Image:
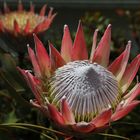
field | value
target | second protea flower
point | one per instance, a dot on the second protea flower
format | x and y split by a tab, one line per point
24	22
82	95
17	27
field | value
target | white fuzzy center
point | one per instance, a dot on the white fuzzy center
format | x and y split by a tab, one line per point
88	87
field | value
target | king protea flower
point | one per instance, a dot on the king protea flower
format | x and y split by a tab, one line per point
18	26
23	22
82	95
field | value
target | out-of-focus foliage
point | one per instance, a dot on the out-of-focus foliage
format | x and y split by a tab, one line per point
133	19
91	22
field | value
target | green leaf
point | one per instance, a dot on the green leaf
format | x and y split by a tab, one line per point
33	128
114	136
38	127
35	131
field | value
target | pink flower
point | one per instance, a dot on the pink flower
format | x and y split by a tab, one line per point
23	22
82	95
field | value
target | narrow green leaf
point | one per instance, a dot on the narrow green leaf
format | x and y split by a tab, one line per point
114	136
35	131
31	126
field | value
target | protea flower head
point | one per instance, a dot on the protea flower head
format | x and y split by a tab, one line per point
82	95
25	22
21	24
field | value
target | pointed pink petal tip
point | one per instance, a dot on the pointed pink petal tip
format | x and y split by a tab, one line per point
80	23
132	94
97	30
65	27
94	43
66	44
118	66
27	26
123	111
55	115
55	57
31	7
42	57
79	49
67	112
6	8
102	51
34	61
16	26
130	73
20	6
50	14
23	72
43	10
103	118
35	103
109	26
